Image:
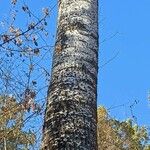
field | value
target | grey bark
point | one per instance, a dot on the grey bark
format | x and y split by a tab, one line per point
70	117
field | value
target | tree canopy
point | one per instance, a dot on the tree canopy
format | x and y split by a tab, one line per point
12	115
120	135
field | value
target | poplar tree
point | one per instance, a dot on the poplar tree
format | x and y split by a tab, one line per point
70	116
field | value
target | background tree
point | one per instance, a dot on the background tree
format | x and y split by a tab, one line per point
120	135
12	137
23	52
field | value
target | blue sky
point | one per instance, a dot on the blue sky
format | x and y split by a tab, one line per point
127	77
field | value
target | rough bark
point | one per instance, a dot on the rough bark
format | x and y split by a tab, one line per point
70	117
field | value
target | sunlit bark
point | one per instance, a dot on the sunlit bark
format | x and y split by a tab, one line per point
70	118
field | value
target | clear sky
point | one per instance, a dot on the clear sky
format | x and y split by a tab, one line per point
124	31
127	77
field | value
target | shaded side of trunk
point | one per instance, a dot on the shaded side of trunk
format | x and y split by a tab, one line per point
70	117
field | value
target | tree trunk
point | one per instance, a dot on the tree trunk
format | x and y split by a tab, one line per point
70	117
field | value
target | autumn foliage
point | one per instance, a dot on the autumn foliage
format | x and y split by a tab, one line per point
120	135
12	120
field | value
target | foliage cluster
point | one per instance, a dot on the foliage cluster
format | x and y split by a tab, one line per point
12	136
120	135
